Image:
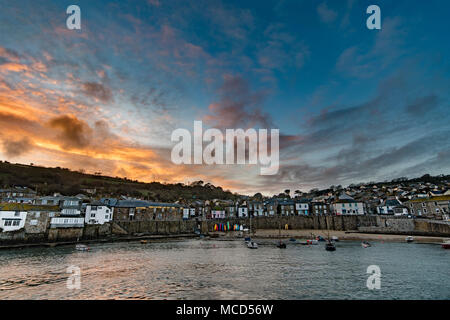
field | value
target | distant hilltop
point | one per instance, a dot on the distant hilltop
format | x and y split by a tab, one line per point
46	181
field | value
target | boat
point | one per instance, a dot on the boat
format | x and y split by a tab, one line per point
409	239
143	241
365	244
320	238
82	247
446	244
247	239
330	246
292	239
252	245
334	238
281	245
312	241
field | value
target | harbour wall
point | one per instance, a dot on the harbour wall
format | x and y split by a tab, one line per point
353	223
118	229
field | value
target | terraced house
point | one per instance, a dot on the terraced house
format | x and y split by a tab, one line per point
141	210
434	207
34	219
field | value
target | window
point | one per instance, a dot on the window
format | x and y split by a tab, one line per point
106	216
92	215
423	204
424	210
17	214
93	208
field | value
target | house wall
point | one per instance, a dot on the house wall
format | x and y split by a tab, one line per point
100	215
12	220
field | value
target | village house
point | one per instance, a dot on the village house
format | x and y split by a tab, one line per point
286	207
141	210
98	213
302	207
256	208
392	206
346	205
437	207
32	218
320	208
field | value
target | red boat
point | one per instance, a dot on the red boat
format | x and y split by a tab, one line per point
446	244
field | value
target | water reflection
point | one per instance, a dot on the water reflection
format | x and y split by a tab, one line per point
214	269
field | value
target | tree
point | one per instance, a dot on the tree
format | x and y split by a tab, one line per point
287	192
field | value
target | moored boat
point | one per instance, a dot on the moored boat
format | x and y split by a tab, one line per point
252	245
330	246
334	238
409	239
281	245
312	241
365	244
446	244
82	247
143	241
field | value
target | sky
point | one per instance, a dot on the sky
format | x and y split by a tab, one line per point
352	104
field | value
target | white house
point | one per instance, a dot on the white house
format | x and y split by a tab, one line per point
346	205
392	206
302	208
11	219
242	212
98	213
218	214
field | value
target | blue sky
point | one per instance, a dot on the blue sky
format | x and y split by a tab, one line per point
352	104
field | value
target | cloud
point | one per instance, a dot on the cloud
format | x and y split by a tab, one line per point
422	105
326	14
97	91
15	148
73	132
238	106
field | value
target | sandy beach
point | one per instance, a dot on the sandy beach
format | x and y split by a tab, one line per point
342	235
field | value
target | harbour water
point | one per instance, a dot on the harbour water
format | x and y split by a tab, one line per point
215	269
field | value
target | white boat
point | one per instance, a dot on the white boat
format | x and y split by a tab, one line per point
446	244
252	245
334	238
312	241
409	239
365	244
82	247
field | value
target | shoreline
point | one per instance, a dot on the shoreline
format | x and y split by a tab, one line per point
106	240
342	235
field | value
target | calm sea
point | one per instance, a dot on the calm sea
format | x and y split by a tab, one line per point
213	269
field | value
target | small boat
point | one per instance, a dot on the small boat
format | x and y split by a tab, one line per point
365	244
247	239
330	246
409	239
312	241
446	244
281	245
252	245
82	247
143	241
320	238
334	238
292	239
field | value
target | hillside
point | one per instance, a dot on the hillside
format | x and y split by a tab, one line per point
67	182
